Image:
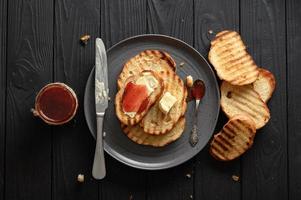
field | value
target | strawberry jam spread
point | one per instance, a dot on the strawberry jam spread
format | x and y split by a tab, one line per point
135	98
56	103
198	89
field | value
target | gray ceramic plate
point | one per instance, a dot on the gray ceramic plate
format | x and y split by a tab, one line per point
144	157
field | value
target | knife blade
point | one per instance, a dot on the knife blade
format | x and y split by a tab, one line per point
101	77
101	104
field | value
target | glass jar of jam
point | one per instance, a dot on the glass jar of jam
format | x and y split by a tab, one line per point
56	104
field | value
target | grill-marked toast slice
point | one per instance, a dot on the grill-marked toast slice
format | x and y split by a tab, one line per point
155	121
136	134
244	100
125	118
155	60
265	84
230	59
234	139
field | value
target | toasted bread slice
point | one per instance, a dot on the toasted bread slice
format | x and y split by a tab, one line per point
230	59
155	60
155	121
244	100
265	84
234	139
122	116
136	134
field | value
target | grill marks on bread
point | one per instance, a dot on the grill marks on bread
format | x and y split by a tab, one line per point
234	139
155	60
137	134
155	121
230	59
244	100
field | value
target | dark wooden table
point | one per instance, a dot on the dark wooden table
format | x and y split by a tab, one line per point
39	43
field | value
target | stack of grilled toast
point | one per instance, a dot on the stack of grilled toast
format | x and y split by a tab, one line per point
245	90
151	99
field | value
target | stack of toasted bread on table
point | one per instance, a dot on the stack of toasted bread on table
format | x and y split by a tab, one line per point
245	90
151	99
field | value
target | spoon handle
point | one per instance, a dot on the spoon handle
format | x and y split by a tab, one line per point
197	103
194	136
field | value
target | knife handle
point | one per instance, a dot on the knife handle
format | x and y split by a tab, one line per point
99	168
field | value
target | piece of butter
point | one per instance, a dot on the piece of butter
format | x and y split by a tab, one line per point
167	102
149	81
130	114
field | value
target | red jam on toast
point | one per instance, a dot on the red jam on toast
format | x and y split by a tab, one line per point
135	98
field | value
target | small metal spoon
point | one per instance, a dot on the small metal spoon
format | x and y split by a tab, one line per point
198	91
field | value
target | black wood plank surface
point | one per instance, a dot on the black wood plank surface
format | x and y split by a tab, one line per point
29	67
294	95
213	179
39	43
265	165
174	18
73	145
121	19
3	28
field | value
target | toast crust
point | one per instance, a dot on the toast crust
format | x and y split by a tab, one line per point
136	134
155	60
265	84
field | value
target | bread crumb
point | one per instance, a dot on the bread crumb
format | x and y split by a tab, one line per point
188	175
84	39
189	81
81	178
235	178
191	196
182	64
210	31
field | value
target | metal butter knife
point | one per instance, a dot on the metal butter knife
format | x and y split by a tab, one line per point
101	104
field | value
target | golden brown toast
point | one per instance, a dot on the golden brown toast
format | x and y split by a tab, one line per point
265	84
122	116
244	100
155	121
136	134
230	59
155	60
234	139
